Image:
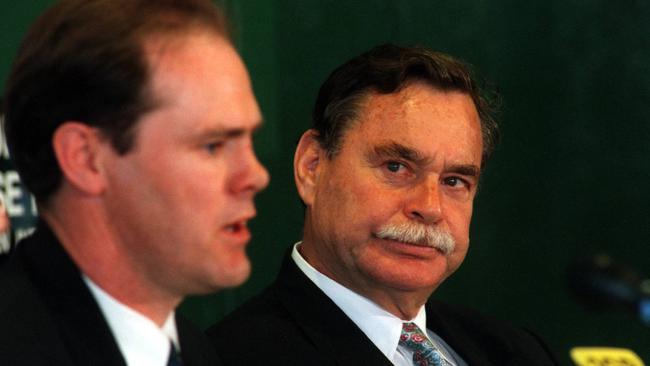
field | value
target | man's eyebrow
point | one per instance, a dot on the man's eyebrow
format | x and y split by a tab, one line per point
229	132
394	149
218	134
465	169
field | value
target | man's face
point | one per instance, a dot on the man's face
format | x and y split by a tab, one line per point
412	157
179	201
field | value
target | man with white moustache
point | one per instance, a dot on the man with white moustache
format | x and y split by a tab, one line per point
388	176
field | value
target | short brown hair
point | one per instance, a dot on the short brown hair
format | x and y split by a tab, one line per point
386	69
83	60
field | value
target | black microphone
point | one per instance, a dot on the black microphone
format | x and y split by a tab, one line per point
601	282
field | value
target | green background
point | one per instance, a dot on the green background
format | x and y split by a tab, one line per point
571	176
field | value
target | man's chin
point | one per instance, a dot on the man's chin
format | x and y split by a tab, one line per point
409	274
222	281
419	284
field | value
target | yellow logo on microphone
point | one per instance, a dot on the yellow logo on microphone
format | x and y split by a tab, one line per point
600	356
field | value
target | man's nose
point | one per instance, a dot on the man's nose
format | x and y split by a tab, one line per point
424	202
253	175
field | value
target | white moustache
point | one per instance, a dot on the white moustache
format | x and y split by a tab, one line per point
419	234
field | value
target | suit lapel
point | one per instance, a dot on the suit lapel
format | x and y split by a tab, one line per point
455	337
195	348
81	325
332	333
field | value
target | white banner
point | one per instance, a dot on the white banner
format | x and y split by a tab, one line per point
17	202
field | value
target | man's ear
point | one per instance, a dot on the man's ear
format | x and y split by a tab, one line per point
307	164
76	146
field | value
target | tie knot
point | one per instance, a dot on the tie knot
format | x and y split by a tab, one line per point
424	352
412	337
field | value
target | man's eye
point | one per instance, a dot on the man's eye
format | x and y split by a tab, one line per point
212	147
455	182
394	166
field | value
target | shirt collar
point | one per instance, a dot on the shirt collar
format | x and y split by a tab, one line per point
381	327
140	340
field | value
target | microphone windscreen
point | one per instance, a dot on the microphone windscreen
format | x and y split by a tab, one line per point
600	281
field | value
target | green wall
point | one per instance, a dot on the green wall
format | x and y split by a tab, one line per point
571	176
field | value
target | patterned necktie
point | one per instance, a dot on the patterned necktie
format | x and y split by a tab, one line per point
424	352
174	357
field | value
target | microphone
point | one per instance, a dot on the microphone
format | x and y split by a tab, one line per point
594	356
601	282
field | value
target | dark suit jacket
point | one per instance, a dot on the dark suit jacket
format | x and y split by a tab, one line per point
294	323
49	317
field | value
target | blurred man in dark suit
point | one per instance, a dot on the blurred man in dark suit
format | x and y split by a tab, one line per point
130	121
388	175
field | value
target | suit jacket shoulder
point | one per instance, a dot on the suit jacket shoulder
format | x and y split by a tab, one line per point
25	323
294	323
47	314
484	340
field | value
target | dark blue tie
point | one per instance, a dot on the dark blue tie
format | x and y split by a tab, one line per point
174	357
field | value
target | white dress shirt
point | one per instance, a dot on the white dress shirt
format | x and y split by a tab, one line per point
140	340
381	327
